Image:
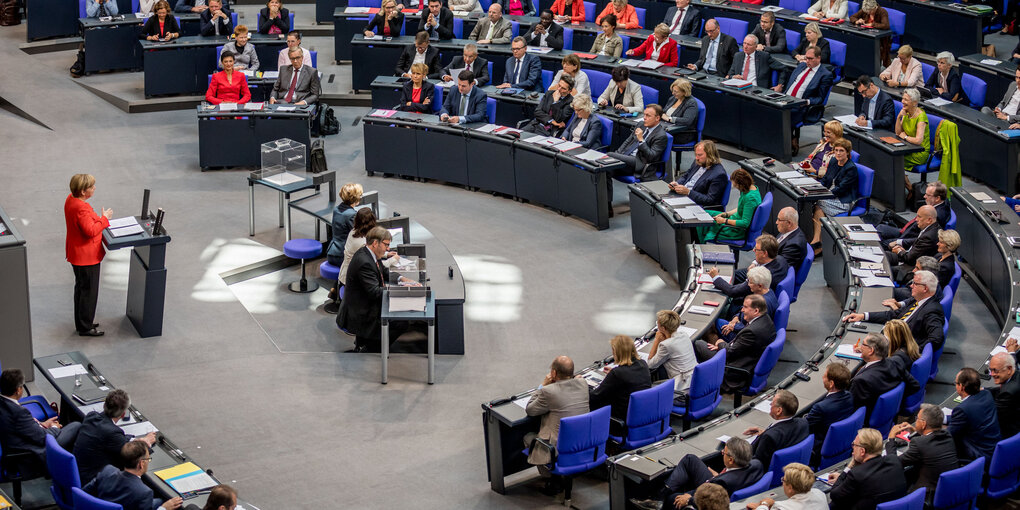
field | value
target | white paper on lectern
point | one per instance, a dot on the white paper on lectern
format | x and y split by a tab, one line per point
764	406
123	222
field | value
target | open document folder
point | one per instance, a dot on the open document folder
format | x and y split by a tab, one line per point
186	478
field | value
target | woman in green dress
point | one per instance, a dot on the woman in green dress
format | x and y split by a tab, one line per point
733	224
912	126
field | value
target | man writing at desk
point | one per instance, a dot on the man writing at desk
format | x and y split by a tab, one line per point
466	103
296	83
873	107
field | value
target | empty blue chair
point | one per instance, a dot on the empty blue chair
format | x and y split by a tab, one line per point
852	7
581	446
793	37
760	378
85	501
795	5
763	484
647	416
787	284
650	95
800	452
258	20
63	469
490	110
912	501
135	6
1004	470
935	356
640	12
734	27
884	413
626	43
484	4
726	193
589	12
437	100
515	28
837	57
598	81
458	27
303	249
607	133
758	221
783	311
681	147
838	442
954	282
856	156
803	271
547	77
958	489
315	58
975	89
920	369
947	302
897	23
233	18
568	38
703	395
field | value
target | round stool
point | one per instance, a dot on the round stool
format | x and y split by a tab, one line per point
332	273
302	249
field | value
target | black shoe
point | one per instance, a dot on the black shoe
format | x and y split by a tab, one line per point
95	325
91	332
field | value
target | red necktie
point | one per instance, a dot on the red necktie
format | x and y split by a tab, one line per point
679	16
293	84
909	223
747	66
800	82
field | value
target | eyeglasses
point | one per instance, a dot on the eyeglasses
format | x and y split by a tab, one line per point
517	48
146	458
856	445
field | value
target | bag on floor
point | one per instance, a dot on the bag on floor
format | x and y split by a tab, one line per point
318	156
78	68
327	121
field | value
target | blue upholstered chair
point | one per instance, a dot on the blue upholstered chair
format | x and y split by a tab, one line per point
795	5
920	369
865	184
763	484
86	501
787	284
782	318
912	501
758	380
975	88
884	413
647	416
1004	470
803	271
958	489
580	447
838	442
800	452
332	273
63	469
733	27
758	221
703	395
607	132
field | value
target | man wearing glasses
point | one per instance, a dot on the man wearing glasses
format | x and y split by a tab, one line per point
523	70
126	487
921	312
297	83
1002	368
877	375
870	478
766	254
934	195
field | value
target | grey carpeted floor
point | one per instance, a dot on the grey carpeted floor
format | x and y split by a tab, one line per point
241	378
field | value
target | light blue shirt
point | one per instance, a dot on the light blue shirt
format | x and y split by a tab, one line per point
713	48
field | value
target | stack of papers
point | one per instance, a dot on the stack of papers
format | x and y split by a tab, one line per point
789	174
701	310
801	181
867	253
283	179
539	49
254	106
68	371
938	101
679	201
566	145
383	113
126	226
488	128
356	10
990	61
631	62
590	155
983	197
650	64
286	108
850	120
735	82
847	351
407	304
186	478
876	281
227	107
863	236
271	75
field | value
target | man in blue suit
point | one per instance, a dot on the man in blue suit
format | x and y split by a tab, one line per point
811	81
466	103
705	181
974	423
523	71
126	487
873	107
836	405
20	432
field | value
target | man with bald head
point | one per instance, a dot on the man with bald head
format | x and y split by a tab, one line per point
717	51
792	241
559	396
1002	368
752	65
903	255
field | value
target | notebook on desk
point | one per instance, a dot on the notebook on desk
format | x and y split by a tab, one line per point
658	188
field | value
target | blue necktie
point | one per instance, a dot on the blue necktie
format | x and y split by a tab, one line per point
517	72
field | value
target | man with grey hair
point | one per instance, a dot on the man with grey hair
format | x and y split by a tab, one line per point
902	255
792	241
759	279
877	375
523	69
946	83
924	263
469	60
1002	368
930	449
752	65
921	311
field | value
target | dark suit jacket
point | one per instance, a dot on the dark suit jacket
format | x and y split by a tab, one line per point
476	104
866	485
822	44
376	24
98	444
684	118
885	114
974	425
867	384
954	86
19	432
480	67
947	268
910	230
778	38
724	55
428	91
816	89
777	267
591	135
553	40
745	349
283	22
927	457
780	435
823	413
445	28
692	20
1007	404
616	388
551	110
763	71
709	189
925	244
735	479
124	489
307	89
648	152
362	304
530	77
842	180
407	57
793	249
151	26
207	27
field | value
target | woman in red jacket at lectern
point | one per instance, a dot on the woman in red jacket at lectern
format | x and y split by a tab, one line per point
85	251
228	85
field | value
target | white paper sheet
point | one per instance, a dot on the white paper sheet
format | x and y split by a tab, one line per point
863	236
539	49
68	371
271	75
200	480
847	351
678	201
407	304
566	145
990	61
849	120
650	64
283	179
138	429
764	406
590	155
789	174
123	222
522	402
938	101
127	231
801	181
866	253
876	281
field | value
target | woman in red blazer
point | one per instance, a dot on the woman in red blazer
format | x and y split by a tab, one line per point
658	46
228	85
84	248
564	14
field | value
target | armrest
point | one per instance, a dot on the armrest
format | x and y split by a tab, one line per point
744	373
619	422
550	447
12	464
30	403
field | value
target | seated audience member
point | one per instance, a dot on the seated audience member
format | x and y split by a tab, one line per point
935	195
771	36
658	47
924	263
464	103
21	433
912	126
583	127
436	21
643	148
625	14
949	242
832	9
297	83
841	180
903	253
221	497
523	70
758	279
631	374
836	405
465	7
974	423
733	224
517	7
798	486
921	312
683	19
293	41
875	16
554	110
100	439
364	222
342	224
419	52
784	432
608	42
126	487
623	93
810	81
560	395
903	349
905	71
469	60
792	241
388	22
930	449
228	85
215	20
766	254
545	33
145	6
872	106
672	352
705	181
275	19
1009	108
245	57
1002	368
186	6
681	112
741	470
161	26
417	94
568	11
494	29
101	8
571	66
877	375
717	50
817	161
813	39
870	478
751	64
710	496
746	348
946	82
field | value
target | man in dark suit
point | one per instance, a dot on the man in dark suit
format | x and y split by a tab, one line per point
683	19
705	181
1002	368
836	405
810	81
126	487
644	147
870	478
464	103
297	83
974	423
771	36
545	33
922	312
437	21
21	433
758	279
420	51
750	64
100	439
766	254
523	70
784	432
215	21
877	375
903	254
717	51
872	106
745	349
935	195
471	62
792	241
930	450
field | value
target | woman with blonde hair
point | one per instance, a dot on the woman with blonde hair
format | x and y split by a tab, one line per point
905	71
818	160
903	350
812	37
630	374
798	486
343	221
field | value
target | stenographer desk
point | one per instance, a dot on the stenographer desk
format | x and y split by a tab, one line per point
886	160
658	229
940	25
183	66
234	137
784	193
505	421
146	276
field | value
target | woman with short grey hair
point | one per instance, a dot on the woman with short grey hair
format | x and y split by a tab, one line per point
946	83
583	127
873	15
